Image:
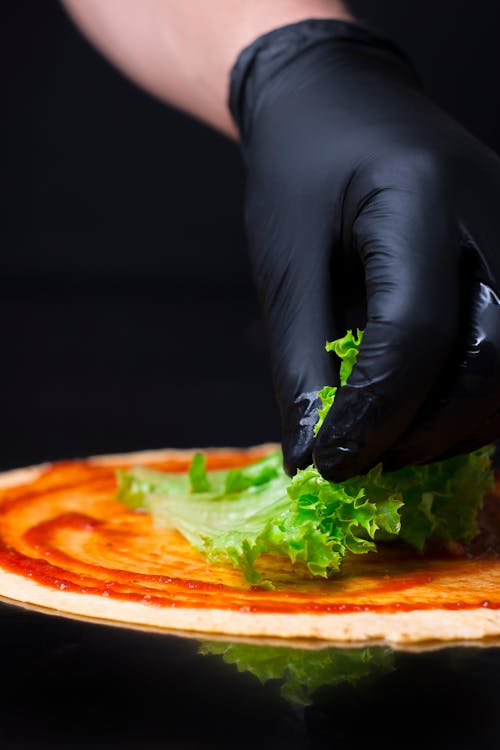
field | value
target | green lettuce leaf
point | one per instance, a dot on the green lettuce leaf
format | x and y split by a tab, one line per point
236	516
442	499
254	475
327	397
346	349
310	520
198	475
302	672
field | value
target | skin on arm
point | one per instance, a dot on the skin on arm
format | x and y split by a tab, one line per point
182	51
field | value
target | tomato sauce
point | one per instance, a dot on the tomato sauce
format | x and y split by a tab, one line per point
65	530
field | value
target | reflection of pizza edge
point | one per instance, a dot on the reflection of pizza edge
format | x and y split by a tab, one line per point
398	627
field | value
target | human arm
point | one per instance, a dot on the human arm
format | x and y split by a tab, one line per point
182	51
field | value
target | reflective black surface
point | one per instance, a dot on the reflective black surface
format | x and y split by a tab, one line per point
72	684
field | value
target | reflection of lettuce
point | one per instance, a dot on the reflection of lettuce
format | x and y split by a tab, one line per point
238	515
302	671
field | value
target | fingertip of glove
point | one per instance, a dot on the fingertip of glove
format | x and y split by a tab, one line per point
338	453
297	454
337	460
298	423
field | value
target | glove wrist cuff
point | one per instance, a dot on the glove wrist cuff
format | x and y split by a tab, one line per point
271	52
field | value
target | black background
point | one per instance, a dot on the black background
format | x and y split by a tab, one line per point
129	321
128	314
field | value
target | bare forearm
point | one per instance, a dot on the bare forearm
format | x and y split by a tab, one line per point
182	50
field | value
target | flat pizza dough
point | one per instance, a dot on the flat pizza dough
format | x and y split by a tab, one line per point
67	545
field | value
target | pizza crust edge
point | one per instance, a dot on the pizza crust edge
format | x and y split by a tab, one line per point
398	627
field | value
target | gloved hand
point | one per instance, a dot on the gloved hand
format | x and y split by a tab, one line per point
368	206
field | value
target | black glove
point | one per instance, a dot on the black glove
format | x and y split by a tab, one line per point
368	206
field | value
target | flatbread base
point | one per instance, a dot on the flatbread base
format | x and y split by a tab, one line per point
404	627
